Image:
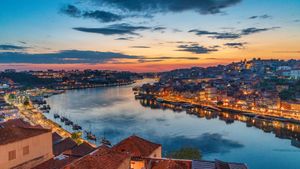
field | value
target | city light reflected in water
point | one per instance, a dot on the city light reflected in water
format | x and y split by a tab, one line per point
114	113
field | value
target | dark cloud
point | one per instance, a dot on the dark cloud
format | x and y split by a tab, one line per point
63	57
139	46
230	35
12	47
163	6
203	32
77	56
296	20
22	42
195	48
226	36
102	16
253	30
238	45
265	16
116	29
71	10
216	35
124	38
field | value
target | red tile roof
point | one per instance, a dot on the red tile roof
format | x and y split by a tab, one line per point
66	144
136	146
17	129
56	138
102	158
81	150
154	163
56	163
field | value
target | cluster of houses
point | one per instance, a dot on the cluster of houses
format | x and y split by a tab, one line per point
254	85
24	146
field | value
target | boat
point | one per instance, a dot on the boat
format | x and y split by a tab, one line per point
90	136
104	141
56	116
62	119
76	127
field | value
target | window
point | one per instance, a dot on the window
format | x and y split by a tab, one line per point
12	155
25	150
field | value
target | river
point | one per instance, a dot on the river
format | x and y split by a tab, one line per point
114	113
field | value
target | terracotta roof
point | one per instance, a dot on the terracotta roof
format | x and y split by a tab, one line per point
17	129
168	164
56	163
102	158
81	150
136	146
56	138
65	144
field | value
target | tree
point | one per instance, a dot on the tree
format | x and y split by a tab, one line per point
76	136
186	153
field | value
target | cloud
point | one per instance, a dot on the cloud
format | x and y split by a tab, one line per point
12	47
195	48
265	16
116	29
124	38
63	57
230	35
71	10
163	6
238	45
78	56
216	35
102	16
296	20
253	30
139	46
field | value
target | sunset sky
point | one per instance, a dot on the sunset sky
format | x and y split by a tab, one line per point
145	35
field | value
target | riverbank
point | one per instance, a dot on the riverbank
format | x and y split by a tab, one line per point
35	117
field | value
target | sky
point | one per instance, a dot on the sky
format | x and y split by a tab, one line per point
145	35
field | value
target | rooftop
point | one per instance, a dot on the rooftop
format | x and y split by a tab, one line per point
17	129
136	146
102	158
65	144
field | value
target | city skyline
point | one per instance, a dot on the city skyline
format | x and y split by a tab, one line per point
145	35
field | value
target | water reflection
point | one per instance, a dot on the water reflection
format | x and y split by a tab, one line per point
114	113
283	130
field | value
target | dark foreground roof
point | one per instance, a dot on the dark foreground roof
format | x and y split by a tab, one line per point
102	158
63	145
17	129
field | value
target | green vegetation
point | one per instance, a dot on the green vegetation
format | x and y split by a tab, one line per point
76	136
11	97
186	153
